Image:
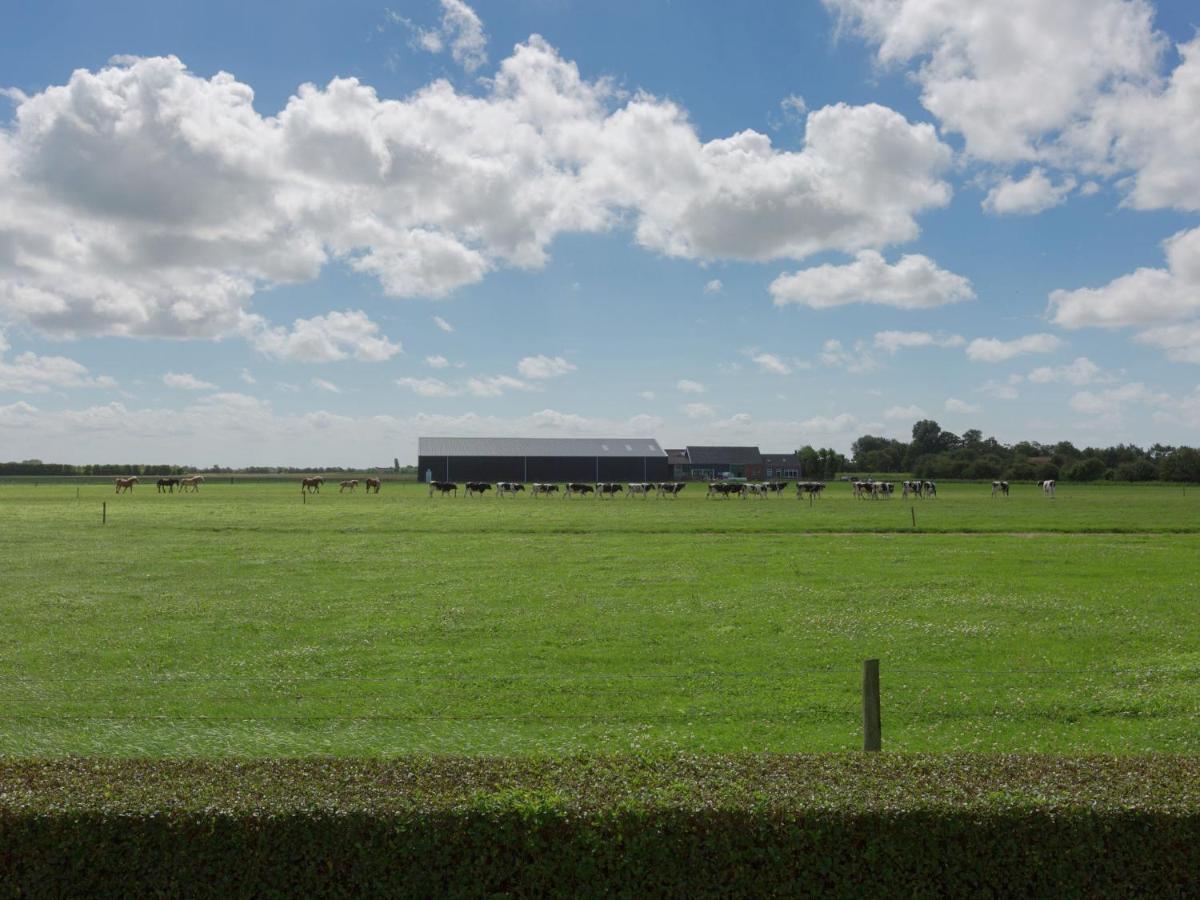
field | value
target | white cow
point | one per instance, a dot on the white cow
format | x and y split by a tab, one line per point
1048	487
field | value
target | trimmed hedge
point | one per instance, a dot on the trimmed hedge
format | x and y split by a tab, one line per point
847	825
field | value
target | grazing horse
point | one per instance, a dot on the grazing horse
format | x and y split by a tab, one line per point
191	483
443	488
167	485
125	484
373	484
312	485
351	483
999	487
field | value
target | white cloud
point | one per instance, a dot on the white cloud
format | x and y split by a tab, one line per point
1003	390
1111	402
461	30
903	413
1182	342
699	411
144	200
185	381
858	361
769	362
892	341
1032	194
954	405
443	324
495	385
713	287
29	373
326	338
1143	297
914	282
1079	372
729	368
324	385
247	377
647	395
687	386
994	350
1008	76
437	362
542	367
427	387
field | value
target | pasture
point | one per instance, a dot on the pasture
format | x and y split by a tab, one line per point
240	621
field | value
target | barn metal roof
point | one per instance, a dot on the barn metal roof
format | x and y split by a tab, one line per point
505	446
735	456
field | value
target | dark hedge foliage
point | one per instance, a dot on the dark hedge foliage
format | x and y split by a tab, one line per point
844	825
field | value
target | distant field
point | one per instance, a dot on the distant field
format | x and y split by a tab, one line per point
241	621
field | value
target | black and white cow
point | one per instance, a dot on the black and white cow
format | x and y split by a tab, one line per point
810	489
608	489
443	488
578	487
540	488
477	487
640	488
669	488
1000	487
509	487
1047	487
929	488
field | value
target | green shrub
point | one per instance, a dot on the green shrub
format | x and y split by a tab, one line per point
843	825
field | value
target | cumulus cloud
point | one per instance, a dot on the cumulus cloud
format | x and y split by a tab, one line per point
914	282
1079	372
29	373
699	411
1112	401
1143	297
1032	194
327	338
903	413
1182	342
246	377
443	324
857	361
142	199
543	367
1003	390
427	387
1007	76
994	350
713	287
647	395
437	362
324	385
954	405
461	30
769	362
687	386
893	341
185	381
495	385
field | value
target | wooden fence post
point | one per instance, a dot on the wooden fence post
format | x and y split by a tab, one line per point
872	734
104	512
913	510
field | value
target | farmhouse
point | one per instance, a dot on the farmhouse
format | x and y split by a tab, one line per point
705	463
781	466
541	459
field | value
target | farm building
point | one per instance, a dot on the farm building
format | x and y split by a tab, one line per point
704	463
781	466
541	459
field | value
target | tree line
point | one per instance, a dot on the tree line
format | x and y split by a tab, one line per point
37	467
935	453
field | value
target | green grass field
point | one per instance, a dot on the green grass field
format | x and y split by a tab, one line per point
240	621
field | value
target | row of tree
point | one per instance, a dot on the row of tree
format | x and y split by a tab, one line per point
936	453
37	467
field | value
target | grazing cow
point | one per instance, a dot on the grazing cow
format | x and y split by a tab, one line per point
811	489
608	489
862	488
373	484
1048	487
642	488
351	483
999	487
443	488
777	487
508	487
167	485
312	485
757	490
477	487
578	487
669	488
928	488
125	484
540	488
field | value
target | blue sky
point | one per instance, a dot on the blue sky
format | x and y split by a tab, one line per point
308	233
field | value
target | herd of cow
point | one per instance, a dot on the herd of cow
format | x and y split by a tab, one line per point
601	489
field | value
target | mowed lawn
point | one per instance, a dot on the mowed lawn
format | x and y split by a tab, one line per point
240	621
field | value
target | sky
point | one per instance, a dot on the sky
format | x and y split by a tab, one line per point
307	233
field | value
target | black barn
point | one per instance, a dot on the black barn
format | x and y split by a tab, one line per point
541	459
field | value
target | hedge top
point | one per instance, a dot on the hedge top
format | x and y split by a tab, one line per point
784	784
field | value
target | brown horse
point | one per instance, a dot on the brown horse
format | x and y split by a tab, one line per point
352	484
373	485
312	485
191	483
125	484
